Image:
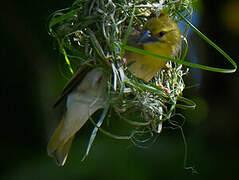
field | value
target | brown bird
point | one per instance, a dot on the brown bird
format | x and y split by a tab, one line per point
86	93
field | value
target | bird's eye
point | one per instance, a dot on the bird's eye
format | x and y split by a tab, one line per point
161	34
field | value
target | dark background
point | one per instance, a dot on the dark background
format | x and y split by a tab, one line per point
31	82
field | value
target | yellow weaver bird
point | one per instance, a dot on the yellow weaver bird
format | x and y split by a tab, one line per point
161	35
86	91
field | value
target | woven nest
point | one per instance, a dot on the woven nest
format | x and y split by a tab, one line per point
92	33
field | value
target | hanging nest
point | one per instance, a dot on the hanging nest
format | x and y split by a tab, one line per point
92	33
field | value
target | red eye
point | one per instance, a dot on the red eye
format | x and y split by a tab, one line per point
161	34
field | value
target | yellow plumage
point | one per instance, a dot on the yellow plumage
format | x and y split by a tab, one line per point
160	36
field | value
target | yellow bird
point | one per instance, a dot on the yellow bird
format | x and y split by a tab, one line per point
86	92
161	35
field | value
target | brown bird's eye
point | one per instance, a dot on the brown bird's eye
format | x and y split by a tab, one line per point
161	34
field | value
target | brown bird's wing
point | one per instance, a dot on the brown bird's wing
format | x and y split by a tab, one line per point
85	99
73	82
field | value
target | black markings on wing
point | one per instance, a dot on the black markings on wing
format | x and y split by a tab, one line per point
73	82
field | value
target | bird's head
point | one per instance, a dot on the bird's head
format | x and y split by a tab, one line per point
160	31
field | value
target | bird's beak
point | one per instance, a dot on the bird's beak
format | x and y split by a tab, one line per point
146	38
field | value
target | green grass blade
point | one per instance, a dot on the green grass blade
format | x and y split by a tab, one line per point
213	45
179	61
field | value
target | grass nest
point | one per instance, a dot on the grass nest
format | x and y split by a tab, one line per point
93	33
